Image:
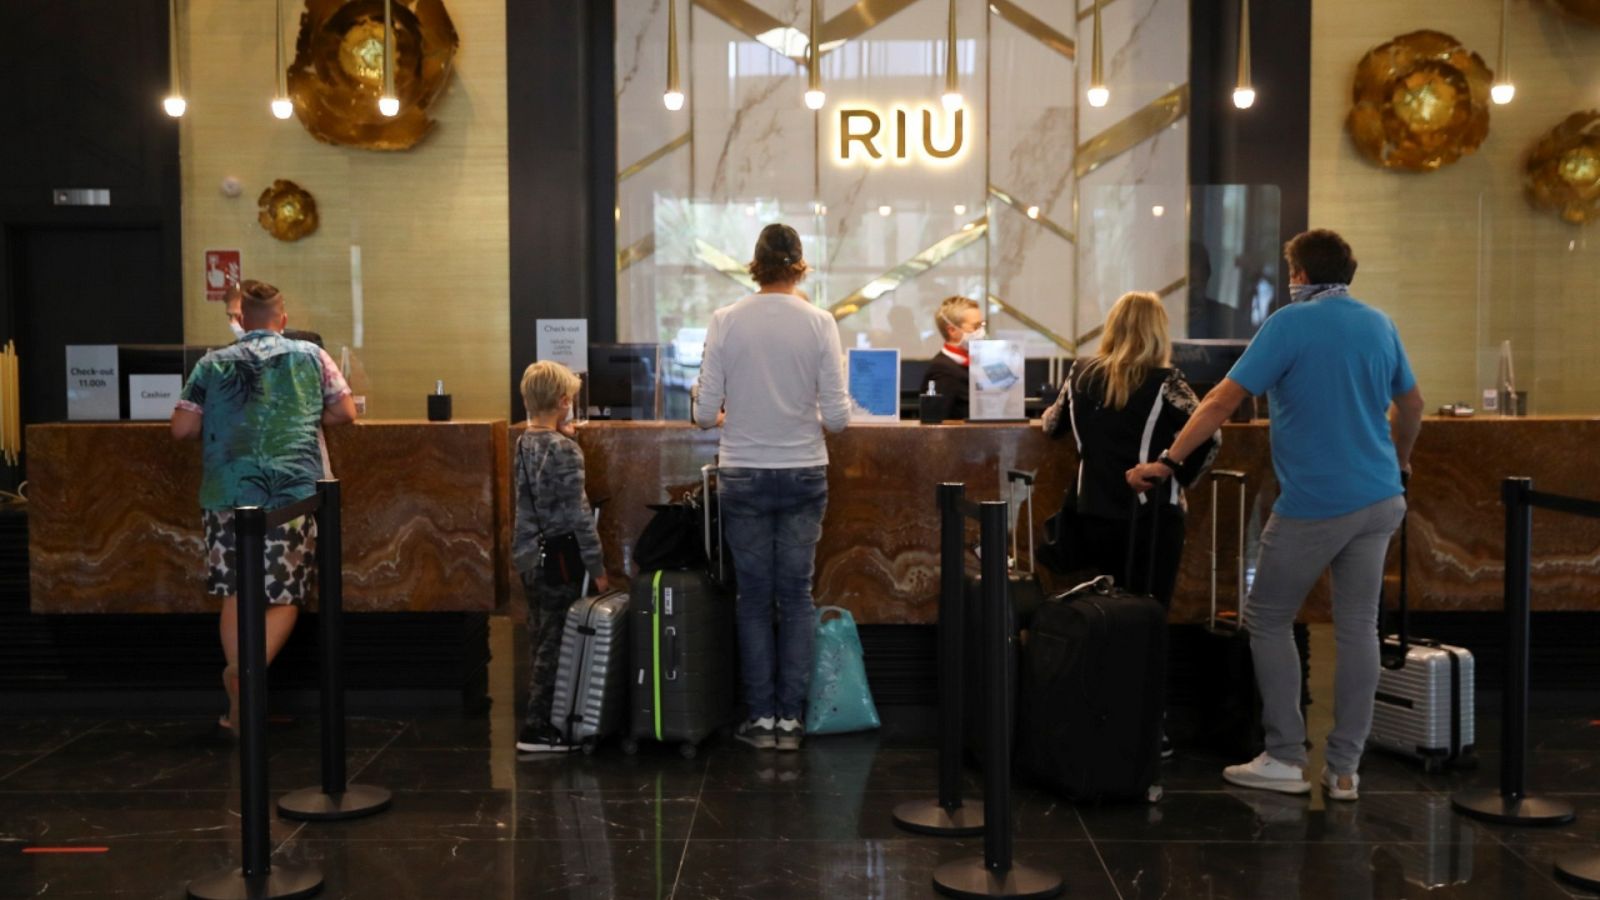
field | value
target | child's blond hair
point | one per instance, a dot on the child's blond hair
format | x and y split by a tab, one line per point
544	384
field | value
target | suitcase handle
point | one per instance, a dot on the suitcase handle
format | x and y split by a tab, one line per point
670	634
1024	511
715	561
1238	477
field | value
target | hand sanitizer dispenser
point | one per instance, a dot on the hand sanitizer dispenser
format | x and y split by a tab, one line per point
932	407
438	404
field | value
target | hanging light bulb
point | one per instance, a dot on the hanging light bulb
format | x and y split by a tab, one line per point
815	96
673	98
388	103
1099	95
1244	92
1503	91
281	107
952	86
174	103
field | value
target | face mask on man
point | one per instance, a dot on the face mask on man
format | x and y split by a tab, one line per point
236	328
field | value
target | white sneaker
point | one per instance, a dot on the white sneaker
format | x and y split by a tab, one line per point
1332	790
1268	774
789	731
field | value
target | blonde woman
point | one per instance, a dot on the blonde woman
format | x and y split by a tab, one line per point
1122	406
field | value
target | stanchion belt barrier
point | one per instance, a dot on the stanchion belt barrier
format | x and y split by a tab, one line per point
996	873
334	798
1511	804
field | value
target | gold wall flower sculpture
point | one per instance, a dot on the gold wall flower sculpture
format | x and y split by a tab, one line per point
1562	172
337	74
288	211
1421	102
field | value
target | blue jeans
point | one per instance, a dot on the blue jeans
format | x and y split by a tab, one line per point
772	520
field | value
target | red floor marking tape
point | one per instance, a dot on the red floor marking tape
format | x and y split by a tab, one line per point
66	849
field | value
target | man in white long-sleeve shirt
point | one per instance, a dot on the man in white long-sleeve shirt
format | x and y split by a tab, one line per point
773	378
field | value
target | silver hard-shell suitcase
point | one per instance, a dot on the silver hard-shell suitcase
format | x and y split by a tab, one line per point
591	690
1426	699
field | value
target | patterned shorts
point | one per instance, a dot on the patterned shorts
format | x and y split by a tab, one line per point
291	557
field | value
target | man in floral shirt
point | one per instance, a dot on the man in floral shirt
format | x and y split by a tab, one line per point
256	406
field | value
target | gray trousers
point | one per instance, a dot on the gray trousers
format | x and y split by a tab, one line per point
1294	552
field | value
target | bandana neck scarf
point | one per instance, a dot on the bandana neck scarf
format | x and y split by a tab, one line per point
1305	293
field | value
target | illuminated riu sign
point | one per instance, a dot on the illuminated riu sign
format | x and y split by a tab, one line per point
864	138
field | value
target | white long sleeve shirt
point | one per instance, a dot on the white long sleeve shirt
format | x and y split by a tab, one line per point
775	362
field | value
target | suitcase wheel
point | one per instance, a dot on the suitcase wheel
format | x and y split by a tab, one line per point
630	746
687	750
588	748
1433	765
1154	794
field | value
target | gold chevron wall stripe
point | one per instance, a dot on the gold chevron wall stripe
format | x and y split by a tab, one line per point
1173	287
1041	218
1040	31
1033	324
637	251
1132	131
761	26
941	250
654	155
1084	13
723	263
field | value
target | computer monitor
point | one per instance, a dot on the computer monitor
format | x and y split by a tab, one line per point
1206	362
624	381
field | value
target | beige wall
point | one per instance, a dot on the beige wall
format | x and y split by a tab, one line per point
431	223
1457	256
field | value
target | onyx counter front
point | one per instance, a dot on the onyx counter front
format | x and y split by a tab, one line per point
878	556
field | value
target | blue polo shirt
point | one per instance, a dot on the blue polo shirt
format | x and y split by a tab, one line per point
1329	368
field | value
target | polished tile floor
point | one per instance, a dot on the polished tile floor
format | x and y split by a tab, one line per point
471	820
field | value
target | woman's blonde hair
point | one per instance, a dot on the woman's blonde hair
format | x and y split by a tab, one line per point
545	383
1134	342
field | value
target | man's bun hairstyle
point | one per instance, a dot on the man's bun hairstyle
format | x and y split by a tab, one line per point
778	256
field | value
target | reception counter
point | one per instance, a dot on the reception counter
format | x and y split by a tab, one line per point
878	555
114	523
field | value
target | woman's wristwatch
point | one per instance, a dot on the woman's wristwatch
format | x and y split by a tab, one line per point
1166	460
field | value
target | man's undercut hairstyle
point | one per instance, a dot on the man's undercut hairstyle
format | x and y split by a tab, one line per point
259	303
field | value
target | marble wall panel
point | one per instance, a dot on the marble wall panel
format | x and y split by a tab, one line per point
904	318
643	121
114	525
1146	44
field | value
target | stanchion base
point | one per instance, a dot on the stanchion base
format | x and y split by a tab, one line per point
281	883
971	878
1490	805
312	805
1580	869
928	817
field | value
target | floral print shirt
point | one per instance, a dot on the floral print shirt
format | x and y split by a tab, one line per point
261	402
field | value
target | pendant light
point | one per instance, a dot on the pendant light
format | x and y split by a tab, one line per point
174	104
673	98
281	107
1244	91
388	103
952	86
814	93
1502	91
1099	95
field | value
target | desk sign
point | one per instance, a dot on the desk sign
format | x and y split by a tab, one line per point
565	341
153	396
93	390
873	377
995	382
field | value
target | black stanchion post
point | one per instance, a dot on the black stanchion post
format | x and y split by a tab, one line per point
257	878
336	799
949	814
1510	804
997	874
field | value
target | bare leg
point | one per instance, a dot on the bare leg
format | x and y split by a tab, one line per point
280	624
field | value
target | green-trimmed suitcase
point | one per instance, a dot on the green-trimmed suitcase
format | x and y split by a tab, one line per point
682	675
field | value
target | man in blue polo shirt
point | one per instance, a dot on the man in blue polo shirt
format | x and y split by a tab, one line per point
1330	367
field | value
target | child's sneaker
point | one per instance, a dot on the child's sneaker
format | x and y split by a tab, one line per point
758	733
542	739
789	731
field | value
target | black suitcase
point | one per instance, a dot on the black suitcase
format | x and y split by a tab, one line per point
1214	676
1093	690
682	635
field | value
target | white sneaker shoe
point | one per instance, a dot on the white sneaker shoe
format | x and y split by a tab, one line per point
1267	774
1332	790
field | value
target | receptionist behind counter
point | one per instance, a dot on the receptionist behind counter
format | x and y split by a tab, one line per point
959	321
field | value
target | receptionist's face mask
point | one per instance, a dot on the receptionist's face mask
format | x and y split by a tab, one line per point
964	337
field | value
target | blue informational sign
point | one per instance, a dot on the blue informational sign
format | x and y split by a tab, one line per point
874	382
